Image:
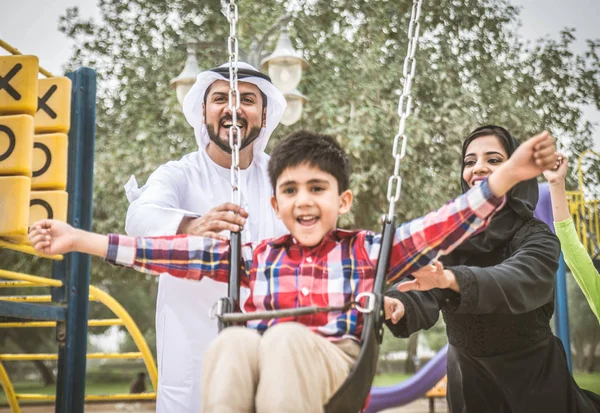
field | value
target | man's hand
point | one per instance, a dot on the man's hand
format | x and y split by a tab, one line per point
430	277
225	217
559	172
394	309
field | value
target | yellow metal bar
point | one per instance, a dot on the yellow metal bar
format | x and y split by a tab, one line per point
27	250
91	397
139	396
95	356
92	323
9	391
13	284
31	278
133	330
13	50
31	298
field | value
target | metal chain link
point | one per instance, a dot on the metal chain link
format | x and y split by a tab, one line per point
235	135
404	108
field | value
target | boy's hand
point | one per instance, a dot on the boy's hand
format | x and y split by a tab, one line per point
533	157
52	237
429	277
528	161
559	172
394	309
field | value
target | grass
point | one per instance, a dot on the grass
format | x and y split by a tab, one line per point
588	381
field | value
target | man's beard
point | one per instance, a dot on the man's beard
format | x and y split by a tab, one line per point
251	136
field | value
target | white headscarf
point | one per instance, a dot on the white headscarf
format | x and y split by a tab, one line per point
192	106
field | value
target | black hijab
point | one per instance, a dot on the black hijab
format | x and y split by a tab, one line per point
520	201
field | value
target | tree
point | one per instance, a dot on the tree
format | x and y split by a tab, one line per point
471	69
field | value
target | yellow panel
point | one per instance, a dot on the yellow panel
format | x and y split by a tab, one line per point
48	204
16	144
49	164
14	204
54	108
43	205
18	85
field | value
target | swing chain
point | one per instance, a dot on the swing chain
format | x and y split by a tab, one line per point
404	108
234	103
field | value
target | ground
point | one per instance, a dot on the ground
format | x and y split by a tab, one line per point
420	406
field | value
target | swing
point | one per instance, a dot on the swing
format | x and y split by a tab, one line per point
353	394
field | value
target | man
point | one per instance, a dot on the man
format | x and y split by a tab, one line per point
193	196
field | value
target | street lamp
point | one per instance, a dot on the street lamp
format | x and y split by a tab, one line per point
293	110
184	82
285	64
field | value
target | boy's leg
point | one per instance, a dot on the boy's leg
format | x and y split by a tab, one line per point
300	370
230	372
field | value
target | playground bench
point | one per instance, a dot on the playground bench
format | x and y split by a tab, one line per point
437	392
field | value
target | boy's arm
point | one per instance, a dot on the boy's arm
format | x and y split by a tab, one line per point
418	242
181	256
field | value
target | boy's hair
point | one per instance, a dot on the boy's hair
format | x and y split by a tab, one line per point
319	151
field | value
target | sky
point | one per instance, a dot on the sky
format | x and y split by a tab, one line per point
32	27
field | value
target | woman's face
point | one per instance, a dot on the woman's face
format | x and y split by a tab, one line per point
483	155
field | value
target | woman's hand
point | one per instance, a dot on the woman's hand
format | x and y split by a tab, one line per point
394	309
430	277
559	172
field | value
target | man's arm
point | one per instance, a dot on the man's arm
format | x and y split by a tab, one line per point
157	210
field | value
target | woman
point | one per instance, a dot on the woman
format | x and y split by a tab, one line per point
497	297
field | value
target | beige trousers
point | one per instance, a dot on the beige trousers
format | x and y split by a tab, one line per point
289	369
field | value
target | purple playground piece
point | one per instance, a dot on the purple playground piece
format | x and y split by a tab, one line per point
410	389
543	209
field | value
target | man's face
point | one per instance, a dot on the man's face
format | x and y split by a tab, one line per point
218	116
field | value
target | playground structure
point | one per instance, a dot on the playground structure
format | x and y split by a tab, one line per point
70	287
22	96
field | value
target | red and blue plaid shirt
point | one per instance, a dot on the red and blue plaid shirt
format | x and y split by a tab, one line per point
283	274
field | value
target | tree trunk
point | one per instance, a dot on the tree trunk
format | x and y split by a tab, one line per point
411	364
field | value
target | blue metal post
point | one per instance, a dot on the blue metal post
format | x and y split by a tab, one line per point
72	335
561	313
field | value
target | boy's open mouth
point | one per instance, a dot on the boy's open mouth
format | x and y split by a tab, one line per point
307	220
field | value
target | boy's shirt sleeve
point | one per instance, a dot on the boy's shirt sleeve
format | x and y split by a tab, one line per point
182	256
418	242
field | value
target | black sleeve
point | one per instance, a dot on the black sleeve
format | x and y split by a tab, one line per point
521	283
421	309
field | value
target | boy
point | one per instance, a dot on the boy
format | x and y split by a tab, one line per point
297	366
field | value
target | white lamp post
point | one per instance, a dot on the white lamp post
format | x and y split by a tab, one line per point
293	110
184	82
285	64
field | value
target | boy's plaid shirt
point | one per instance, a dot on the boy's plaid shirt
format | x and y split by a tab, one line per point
282	274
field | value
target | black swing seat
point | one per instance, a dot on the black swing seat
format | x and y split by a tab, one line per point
353	393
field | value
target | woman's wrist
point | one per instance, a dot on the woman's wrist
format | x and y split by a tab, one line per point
451	281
